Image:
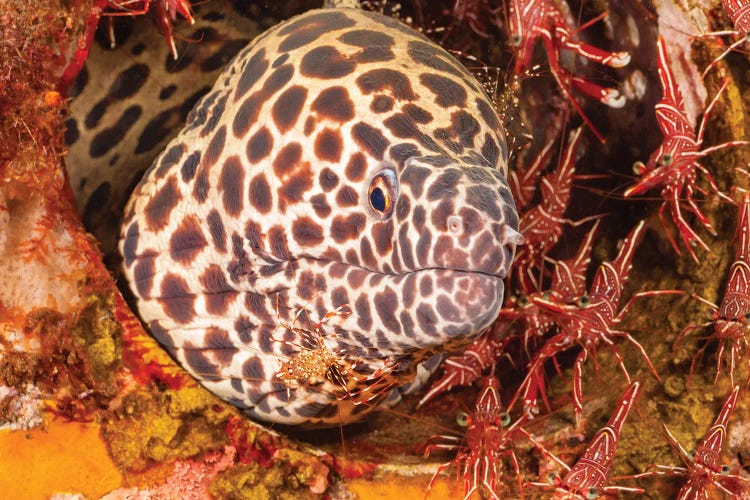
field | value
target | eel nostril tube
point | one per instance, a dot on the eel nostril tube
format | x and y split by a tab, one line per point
510	236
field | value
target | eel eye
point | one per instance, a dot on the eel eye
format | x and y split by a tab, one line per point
666	159
382	193
462	419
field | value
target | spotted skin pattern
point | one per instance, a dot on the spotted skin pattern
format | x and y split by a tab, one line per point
261	208
130	101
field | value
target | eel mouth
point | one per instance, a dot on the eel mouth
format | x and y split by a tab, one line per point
396	322
398	314
401	321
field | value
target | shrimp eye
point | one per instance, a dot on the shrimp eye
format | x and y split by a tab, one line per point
691	454
462	419
523	301
724	470
515	39
382	193
666	159
504	419
592	493
584	301
552	477
747	317
547	294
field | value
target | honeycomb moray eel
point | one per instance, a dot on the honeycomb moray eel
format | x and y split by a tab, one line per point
341	160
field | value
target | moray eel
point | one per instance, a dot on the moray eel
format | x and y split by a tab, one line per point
341	161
